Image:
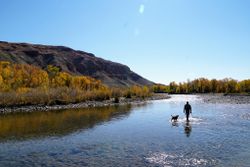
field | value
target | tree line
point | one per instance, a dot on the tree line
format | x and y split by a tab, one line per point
203	85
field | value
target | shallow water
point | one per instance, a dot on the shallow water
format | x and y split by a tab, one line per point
217	135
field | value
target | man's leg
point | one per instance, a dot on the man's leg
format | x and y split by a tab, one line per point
187	116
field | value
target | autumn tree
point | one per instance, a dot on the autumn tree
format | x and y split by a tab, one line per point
203	85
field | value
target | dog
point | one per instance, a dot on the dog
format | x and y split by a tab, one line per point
174	118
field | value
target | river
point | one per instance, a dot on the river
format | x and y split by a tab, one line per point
132	135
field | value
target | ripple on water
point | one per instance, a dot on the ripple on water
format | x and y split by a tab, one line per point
169	160
192	120
183	98
246	116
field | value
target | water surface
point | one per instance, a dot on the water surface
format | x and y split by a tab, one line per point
217	135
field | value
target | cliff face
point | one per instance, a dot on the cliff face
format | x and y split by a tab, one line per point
72	61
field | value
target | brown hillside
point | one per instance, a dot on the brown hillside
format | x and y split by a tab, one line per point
72	61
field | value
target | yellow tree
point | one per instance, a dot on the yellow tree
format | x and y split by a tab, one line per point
61	79
6	73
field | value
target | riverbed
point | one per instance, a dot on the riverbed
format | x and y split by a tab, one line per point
129	135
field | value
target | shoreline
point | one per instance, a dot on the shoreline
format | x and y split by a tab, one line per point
221	98
86	104
225	98
216	98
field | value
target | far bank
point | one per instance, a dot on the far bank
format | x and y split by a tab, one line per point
86	104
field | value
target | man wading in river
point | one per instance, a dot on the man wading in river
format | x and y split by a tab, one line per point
187	110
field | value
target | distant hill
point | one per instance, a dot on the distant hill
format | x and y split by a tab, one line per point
72	61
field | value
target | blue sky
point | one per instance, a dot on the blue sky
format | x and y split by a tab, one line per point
162	40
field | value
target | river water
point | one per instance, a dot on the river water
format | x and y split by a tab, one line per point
138	135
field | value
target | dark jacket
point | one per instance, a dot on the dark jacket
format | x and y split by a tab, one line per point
188	109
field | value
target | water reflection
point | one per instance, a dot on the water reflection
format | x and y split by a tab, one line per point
187	128
41	124
175	124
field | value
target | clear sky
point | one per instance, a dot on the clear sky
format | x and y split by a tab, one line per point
162	40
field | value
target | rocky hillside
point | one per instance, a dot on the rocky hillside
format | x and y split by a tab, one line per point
72	61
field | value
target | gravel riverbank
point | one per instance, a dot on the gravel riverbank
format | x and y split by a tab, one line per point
228	99
122	101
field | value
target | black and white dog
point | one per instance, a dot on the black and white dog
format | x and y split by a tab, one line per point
174	118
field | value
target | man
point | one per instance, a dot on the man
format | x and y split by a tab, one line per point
187	110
